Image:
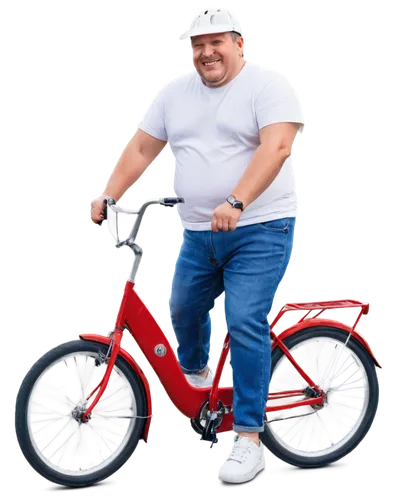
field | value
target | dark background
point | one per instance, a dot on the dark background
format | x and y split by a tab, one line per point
96	78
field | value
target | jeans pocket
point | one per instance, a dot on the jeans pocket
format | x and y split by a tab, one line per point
276	226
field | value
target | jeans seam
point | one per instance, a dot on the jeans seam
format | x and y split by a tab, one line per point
278	272
274	229
263	337
262	373
277	230
200	335
281	262
247	428
212	246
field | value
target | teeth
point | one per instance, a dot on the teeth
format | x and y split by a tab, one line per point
211	63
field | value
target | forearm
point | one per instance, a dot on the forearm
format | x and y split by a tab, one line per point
129	168
260	173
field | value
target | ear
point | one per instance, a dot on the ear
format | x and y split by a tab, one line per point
242	43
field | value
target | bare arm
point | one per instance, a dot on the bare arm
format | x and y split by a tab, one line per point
137	156
276	146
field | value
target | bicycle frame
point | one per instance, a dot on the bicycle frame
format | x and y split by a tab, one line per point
135	317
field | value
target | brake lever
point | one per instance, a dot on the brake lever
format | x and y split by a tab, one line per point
167	205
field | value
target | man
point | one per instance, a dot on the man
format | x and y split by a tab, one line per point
231	126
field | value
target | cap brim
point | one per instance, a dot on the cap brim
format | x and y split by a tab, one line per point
222	28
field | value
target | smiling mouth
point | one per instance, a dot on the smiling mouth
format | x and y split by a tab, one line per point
210	64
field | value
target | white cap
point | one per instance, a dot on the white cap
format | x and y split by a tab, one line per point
213	21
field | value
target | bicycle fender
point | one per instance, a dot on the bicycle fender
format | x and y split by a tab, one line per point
135	367
326	322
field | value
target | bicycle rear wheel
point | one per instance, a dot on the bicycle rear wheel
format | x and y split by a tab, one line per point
51	400
314	436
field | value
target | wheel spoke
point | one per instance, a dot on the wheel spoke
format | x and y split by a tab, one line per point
350	377
343	386
97	432
335	355
113	433
111	395
65	399
50	412
46	420
303	437
110	387
291	431
342	364
84	372
342	428
344	406
60	449
313	433
61	430
80	442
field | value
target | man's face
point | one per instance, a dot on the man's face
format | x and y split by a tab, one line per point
216	47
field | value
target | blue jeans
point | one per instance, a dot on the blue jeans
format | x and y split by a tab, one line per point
248	264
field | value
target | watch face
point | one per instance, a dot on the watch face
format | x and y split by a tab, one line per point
231	198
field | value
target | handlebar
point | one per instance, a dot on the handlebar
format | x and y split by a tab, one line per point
110	204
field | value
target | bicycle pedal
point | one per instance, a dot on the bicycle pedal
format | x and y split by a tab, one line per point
213	441
209	433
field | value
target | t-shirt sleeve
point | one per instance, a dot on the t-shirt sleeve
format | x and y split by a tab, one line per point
277	102
153	122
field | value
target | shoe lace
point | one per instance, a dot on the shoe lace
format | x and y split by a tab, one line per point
239	451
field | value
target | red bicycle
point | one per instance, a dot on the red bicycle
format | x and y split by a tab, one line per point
83	407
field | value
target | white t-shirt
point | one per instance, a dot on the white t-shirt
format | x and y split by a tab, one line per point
213	134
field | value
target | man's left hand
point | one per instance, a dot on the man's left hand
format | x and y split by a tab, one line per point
225	217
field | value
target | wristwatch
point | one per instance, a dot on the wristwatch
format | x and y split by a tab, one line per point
234	202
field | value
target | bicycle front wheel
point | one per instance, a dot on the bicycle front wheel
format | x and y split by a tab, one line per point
314	436
53	397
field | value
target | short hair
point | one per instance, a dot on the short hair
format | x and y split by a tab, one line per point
234	35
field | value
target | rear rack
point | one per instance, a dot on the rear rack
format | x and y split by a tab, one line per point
331	304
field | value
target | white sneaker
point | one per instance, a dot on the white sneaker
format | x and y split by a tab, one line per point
199	381
244	462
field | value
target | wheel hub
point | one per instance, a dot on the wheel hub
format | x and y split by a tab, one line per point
78	412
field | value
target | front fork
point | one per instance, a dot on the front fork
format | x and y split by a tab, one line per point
109	359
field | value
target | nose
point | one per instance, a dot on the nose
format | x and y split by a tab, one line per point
208	51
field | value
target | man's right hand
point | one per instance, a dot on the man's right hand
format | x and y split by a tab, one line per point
97	209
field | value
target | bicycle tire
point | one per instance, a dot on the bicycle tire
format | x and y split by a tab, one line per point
23	396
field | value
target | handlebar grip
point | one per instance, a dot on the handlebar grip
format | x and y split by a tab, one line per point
105	209
170	202
102	222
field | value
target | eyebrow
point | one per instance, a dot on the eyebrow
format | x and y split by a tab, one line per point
214	40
